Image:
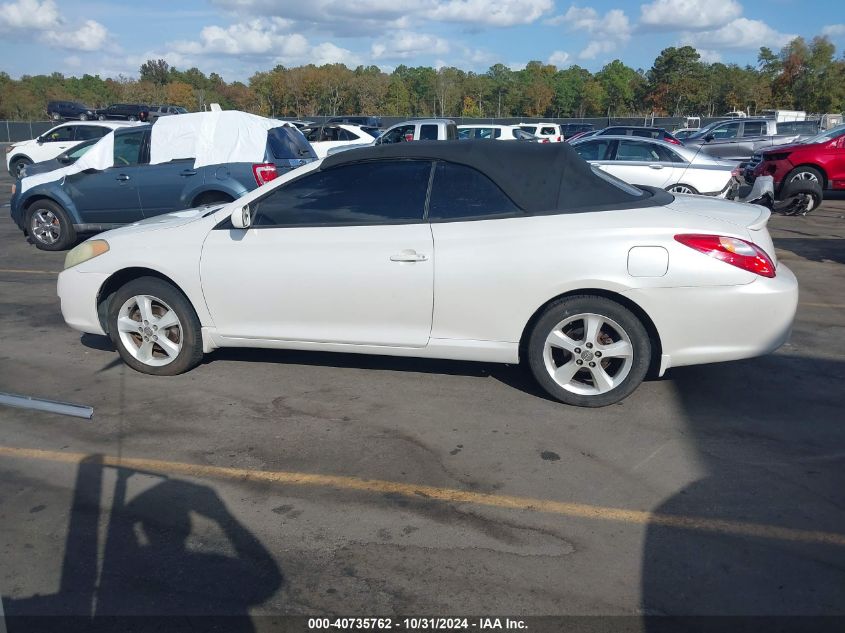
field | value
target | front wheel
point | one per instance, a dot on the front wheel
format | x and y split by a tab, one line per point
49	226
132	118
16	168
83	117
101	117
588	351
154	327
682	188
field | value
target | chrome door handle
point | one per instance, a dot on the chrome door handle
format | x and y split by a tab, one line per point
188	172
408	255
122	177
652	166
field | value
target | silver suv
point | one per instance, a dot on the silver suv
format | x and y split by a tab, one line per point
165	110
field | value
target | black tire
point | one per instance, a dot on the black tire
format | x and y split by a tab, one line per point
804	174
83	117
43	213
692	190
165	296
132	118
211	197
101	117
17	165
55	116
630	373
808	187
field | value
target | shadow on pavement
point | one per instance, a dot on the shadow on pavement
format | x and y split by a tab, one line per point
147	560
769	432
817	250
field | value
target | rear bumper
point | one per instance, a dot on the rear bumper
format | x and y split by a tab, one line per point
721	323
78	295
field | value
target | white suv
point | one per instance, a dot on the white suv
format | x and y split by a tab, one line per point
55	141
546	132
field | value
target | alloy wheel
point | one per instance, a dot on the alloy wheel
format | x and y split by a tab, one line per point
150	330
588	354
680	189
45	226
805	176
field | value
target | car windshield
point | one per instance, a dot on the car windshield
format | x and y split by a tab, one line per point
828	135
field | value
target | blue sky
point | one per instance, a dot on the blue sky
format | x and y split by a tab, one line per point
235	38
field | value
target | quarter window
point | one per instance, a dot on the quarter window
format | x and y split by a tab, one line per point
461	192
362	193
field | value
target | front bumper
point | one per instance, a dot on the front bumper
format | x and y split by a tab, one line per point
721	323
78	293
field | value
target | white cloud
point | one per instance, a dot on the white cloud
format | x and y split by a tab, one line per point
558	58
256	37
407	44
91	36
29	14
501	13
689	15
709	56
608	31
741	34
328	53
833	30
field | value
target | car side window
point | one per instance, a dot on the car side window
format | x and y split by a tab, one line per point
383	192
63	133
754	128
465	133
547	131
593	150
637	150
428	132
396	135
87	132
531	129
729	130
127	148
460	192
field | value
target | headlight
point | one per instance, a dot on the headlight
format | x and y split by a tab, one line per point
85	251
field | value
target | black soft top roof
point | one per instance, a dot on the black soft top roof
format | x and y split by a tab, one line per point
539	178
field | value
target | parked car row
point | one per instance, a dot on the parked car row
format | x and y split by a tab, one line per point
70	110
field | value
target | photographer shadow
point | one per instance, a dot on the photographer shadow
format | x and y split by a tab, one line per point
151	574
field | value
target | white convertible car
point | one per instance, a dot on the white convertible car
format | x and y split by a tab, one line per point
495	252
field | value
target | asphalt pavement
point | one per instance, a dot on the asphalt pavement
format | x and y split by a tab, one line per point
266	483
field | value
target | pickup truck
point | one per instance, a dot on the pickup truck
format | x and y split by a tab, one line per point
742	138
416	130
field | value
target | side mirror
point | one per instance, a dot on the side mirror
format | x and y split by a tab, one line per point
63	158
709	138
242	217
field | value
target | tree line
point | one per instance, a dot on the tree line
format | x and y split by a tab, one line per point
801	76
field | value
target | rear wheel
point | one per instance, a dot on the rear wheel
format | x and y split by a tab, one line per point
101	117
588	351
682	188
83	117
211	197
154	327
49	226
133	118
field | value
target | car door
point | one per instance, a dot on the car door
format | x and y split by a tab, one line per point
753	136
111	196
638	162
723	144
53	142
335	256
164	187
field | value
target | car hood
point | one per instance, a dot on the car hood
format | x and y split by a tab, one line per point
165	221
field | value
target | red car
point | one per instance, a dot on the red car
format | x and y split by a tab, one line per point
818	159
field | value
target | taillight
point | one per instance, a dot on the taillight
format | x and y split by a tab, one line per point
559	139
545	140
672	140
731	250
264	173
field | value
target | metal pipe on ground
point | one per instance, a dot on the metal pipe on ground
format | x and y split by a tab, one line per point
49	406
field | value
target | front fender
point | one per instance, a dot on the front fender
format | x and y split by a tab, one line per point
57	194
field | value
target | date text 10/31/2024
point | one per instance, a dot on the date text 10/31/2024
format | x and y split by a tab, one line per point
416	624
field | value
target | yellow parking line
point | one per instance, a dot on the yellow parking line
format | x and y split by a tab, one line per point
414	491
29	272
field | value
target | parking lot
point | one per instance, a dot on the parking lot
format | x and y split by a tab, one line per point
281	482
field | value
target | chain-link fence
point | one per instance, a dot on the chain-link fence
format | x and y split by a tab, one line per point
13	131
